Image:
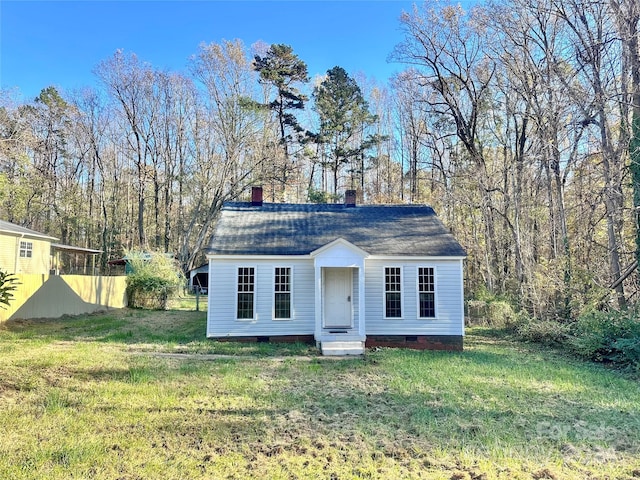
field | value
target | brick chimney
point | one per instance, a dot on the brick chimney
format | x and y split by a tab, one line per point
350	198
256	196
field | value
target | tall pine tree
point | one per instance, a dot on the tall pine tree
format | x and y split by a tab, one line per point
282	69
344	115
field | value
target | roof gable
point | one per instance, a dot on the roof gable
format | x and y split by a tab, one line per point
300	229
339	253
340	247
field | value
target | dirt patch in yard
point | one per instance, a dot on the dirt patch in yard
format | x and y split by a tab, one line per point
140	350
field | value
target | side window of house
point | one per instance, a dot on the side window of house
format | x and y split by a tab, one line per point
392	292
246	292
426	292
26	249
282	293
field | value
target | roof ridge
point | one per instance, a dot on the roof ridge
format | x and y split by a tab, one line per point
365	205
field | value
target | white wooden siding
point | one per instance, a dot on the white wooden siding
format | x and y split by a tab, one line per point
449	308
222	322
223	278
355	299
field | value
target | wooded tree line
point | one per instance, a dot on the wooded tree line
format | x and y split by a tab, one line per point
519	121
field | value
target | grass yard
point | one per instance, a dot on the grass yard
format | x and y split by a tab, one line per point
189	302
143	395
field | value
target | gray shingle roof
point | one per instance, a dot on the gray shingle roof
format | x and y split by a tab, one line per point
299	229
8	227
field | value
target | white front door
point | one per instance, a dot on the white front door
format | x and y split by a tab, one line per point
337	297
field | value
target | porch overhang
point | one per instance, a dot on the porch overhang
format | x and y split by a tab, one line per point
339	254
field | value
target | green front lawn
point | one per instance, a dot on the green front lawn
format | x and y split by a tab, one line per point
97	397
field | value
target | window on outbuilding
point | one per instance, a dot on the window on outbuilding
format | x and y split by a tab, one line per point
246	292
282	293
426	292
392	292
26	249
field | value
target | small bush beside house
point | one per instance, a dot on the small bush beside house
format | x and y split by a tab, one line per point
154	278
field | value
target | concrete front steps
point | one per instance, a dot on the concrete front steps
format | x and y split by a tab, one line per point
334	347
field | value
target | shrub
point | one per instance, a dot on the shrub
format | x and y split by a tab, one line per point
630	351
154	279
497	313
487	309
8	283
548	332
608	337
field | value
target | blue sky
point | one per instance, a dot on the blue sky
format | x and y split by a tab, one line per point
59	43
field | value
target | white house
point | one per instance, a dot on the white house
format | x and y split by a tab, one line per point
344	276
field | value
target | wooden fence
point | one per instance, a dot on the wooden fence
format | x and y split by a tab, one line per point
52	296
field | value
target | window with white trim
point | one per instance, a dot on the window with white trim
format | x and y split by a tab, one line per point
393	292
26	249
426	292
282	293
246	293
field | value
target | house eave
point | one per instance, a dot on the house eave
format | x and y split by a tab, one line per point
416	257
73	249
241	256
30	235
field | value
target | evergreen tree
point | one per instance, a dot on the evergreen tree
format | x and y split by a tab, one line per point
344	115
282	69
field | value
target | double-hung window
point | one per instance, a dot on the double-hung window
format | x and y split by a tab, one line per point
246	293
26	249
282	293
426	292
393	292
